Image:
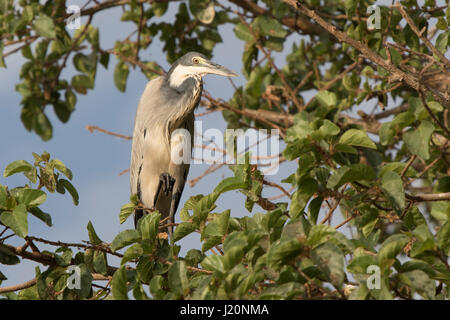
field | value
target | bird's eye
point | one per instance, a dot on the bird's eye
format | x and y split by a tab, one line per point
195	60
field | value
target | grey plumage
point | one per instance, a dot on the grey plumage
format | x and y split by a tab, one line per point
167	104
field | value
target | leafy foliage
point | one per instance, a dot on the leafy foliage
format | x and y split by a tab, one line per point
384	176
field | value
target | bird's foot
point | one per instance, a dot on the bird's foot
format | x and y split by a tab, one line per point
167	183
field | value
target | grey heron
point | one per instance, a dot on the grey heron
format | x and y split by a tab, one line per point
167	104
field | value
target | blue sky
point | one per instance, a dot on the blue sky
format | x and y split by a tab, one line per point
97	159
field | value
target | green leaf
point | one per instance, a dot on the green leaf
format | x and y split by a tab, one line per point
368	227
17	220
327	98
242	32
218	227
358	138
71	189
392	186
119	284
232	257
421	282
386	133
350	7
203	10
397	167
283	252
204	206
17	166
359	264
159	8
182	230
193	257
3	197
126	211
417	141
213	263
57	164
146	269
268	26
319	234
284	291
314	209
85	282
100	263
211	242
30	293
440	210
390	248
133	252
330	260
7	257
121	72
148	226
302	195
156	287
31	197
442	43
328	128
125	238
354	172
139	292
64	259
81	83
45	27
443	238
417	265
41	215
93	237
229	184
104	59
85	63
178	281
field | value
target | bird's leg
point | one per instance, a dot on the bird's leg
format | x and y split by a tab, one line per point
176	196
165	183
168	183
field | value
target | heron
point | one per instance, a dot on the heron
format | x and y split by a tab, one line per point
166	107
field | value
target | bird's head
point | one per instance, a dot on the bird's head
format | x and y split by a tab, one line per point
194	65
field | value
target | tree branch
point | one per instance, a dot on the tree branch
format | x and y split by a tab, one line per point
420	35
18	287
32	282
395	73
429	197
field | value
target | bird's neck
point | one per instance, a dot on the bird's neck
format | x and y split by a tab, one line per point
178	77
187	98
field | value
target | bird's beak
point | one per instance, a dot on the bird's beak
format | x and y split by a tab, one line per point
215	68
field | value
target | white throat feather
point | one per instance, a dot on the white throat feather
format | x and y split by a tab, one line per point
181	73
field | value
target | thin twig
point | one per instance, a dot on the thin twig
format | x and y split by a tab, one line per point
420	35
408	164
330	213
91	129
433	116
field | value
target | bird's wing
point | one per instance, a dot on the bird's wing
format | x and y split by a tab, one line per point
141	130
